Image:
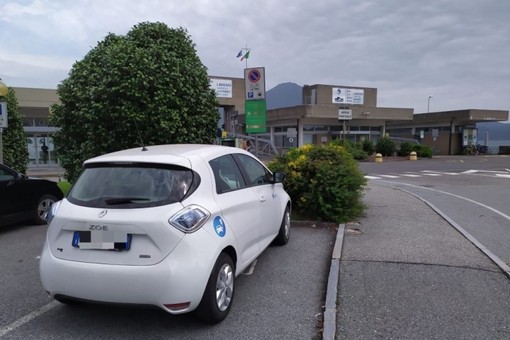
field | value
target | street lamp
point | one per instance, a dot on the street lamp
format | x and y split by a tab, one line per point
428	104
4	90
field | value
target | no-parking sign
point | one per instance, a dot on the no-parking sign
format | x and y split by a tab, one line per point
254	83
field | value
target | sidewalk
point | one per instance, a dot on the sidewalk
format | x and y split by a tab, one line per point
51	173
405	273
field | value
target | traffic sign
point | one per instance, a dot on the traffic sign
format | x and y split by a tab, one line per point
344	114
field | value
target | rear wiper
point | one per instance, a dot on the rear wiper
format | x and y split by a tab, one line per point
124	200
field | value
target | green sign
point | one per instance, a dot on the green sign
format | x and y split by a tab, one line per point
255	113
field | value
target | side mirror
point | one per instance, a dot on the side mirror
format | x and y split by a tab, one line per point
278	177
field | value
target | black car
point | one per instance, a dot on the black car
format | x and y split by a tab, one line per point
24	198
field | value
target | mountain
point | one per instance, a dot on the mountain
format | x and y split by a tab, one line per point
284	95
496	130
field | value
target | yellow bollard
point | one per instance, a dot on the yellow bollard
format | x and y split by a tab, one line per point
412	156
378	158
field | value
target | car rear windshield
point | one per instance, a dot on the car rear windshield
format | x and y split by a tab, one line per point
131	185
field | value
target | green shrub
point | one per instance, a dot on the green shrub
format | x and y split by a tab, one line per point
324	182
355	149
385	146
368	147
405	149
65	186
423	151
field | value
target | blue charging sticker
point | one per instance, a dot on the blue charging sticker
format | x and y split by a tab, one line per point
219	226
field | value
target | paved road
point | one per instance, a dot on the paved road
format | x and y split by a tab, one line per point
471	190
405	273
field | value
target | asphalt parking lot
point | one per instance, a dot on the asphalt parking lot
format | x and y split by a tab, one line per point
282	298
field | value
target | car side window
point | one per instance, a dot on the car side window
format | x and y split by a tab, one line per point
256	172
227	175
5	175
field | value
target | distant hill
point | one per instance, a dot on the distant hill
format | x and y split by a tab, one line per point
496	130
284	95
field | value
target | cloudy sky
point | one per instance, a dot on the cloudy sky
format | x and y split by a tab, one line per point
457	51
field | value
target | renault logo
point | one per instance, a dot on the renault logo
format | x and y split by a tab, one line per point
102	213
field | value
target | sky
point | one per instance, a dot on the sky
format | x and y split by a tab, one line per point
457	52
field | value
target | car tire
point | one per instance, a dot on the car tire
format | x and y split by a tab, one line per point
42	208
219	292
284	233
66	301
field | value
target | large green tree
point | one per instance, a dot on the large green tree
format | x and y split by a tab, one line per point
148	87
14	138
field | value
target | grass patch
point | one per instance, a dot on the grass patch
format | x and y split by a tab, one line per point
65	186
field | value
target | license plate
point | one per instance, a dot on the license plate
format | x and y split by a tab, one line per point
104	240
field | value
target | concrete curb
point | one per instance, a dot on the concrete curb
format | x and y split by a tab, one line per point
329	324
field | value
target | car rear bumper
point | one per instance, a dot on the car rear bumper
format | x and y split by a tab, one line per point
178	279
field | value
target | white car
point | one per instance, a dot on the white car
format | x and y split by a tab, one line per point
166	225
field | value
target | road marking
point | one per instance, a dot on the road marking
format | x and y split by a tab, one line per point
27	318
442	173
502	265
454	195
432	173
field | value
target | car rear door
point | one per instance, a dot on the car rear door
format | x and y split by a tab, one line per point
268	202
239	206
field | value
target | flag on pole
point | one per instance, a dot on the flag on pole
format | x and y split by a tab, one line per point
246	56
239	54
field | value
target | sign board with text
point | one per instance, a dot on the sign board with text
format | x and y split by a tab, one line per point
348	96
222	87
3	115
344	114
255	116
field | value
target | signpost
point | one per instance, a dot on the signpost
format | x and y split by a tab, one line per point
343	115
255	99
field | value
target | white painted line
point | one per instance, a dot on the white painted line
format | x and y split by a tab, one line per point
502	175
505	216
500	263
389	176
491	171
470	172
442	173
431	175
372	177
27	318
410	175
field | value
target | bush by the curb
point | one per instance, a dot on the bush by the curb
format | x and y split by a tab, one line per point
324	182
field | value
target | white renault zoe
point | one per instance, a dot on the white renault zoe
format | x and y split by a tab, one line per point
168	225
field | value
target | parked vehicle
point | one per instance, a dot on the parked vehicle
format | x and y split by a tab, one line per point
483	149
24	198
169	225
476	149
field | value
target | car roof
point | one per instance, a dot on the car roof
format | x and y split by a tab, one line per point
178	154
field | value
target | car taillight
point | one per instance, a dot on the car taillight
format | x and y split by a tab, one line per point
190	219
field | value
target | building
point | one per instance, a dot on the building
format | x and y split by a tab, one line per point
447	132
328	112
